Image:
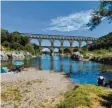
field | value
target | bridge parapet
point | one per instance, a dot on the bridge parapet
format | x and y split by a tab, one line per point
58	37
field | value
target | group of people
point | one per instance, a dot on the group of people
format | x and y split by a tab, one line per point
102	82
16	69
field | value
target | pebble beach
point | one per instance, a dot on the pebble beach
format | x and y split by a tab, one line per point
33	88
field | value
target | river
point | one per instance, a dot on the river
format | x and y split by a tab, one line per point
79	71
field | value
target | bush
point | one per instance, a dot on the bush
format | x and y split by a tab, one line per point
110	49
6	44
29	47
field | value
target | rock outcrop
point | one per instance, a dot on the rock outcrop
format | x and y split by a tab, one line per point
77	56
14	55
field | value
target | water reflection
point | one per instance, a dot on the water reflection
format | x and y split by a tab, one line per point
80	72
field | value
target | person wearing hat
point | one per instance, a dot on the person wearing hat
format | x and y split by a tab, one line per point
101	81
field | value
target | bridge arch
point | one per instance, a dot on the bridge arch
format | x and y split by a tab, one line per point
45	42
75	50
90	42
67	50
66	43
84	44
56	50
35	41
75	44
56	43
45	50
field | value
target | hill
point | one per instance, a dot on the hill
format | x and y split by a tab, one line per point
104	42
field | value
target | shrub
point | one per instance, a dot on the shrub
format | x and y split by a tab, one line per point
29	47
6	44
110	49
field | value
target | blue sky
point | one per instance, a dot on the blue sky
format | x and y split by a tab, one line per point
64	18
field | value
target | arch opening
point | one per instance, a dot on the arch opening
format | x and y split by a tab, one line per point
90	42
66	43
76	50
67	51
84	44
45	43
56	50
34	41
75	44
57	43
46	51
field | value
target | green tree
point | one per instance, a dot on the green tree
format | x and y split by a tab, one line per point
14	45
16	37
24	40
104	42
103	12
36	47
110	49
6	44
29	47
4	35
14	40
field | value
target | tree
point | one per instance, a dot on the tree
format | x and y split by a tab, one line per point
6	44
24	40
13	40
16	37
36	47
29	47
104	42
14	45
103	12
4	35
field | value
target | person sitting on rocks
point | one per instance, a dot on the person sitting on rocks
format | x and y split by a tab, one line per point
101	81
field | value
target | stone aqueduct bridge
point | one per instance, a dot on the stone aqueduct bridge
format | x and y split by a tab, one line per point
61	38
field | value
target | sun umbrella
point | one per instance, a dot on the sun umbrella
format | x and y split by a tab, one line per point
18	63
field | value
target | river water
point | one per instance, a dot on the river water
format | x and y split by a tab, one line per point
79	71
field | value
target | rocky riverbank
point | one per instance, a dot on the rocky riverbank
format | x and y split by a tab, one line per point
104	60
14	55
33	89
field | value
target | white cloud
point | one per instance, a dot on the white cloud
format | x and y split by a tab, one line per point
72	22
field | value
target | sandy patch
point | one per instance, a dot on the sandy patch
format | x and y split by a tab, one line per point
33	89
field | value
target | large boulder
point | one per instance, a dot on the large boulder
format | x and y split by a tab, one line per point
77	56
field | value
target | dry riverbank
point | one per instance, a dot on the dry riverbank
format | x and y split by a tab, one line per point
33	89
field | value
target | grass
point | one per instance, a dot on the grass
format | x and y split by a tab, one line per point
87	96
34	81
11	94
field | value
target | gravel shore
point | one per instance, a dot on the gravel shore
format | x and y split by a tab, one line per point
33	89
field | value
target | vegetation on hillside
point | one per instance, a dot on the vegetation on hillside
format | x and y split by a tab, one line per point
104	42
15	41
87	96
